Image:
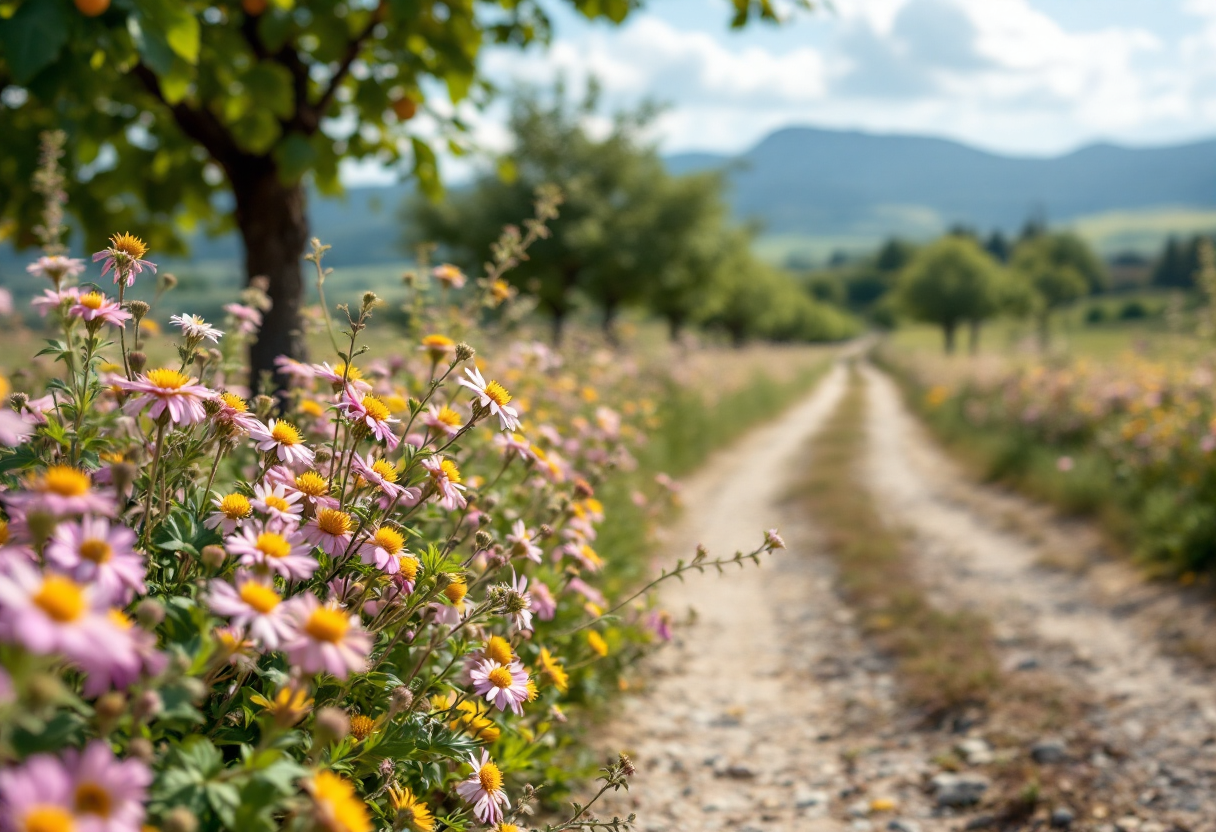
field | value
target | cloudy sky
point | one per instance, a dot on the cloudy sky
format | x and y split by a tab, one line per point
1024	76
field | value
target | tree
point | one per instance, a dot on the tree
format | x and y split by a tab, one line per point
1053	281
170	105
628	231
1066	250
950	282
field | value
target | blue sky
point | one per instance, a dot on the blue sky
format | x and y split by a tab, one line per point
1033	77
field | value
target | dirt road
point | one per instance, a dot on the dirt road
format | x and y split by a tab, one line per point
770	712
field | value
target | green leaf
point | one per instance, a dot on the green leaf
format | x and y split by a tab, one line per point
33	37
162	29
426	169
256	131
270	86
295	155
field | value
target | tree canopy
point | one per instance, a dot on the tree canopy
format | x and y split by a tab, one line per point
950	282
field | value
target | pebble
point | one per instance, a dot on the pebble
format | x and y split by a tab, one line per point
1049	750
810	798
859	809
1131	823
959	789
901	825
975	751
1062	817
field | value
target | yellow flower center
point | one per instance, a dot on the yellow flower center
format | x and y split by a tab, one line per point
500	677
385	469
259	596
93	300
311	408
448	469
352	373
361	726
285	433
167	379
276	502
4	533
92	799
448	417
273	545
66	481
119	618
47	819
499	649
500	289
96	550
332	521
497	393
490	777
312	484
409	567
456	591
236	506
375	408
129	245
390	540
60	598
235	402
327	624
438	343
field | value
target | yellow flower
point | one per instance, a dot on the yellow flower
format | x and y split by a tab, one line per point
362	726
290	705
339	807
412	812
596	642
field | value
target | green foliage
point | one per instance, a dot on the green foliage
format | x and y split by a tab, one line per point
949	282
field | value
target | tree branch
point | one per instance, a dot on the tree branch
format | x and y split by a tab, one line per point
197	123
317	111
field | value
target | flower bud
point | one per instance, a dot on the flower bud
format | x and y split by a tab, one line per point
141	749
179	819
212	407
138	309
332	724
213	556
263	405
110	706
483	539
44	689
545	532
626	765
370	301
18	401
583	488
123	474
464	352
137	360
168	281
147	705
401	699
149	613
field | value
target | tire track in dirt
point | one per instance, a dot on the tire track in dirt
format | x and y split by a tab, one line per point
769	712
1149	737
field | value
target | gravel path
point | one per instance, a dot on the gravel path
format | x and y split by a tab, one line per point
771	713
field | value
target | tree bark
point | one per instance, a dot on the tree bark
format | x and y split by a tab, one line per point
559	325
273	220
675	326
609	323
948	336
974	345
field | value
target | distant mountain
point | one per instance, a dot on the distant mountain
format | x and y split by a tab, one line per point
807	181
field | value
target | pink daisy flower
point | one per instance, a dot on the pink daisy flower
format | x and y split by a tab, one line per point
443	420
492	396
253	605
231	510
37	795
445	479
503	685
543	602
129	653
126	257
382	475
248	320
522	543
298	372
108	794
284	440
275	501
94	307
513	443
383	549
47	612
56	267
53	299
167	391
449	276
587	591
59	490
659	622
14	430
484	790
312	488
280	550
234	413
96	552
340	375
331	529
365	409
327	639
521	618
196	329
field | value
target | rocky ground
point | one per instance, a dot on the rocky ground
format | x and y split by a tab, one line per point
771	712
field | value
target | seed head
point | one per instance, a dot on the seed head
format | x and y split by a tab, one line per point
137	360
213	556
263	405
400	700
483	539
110	706
332	725
179	819
150	613
18	401
138	309
464	352
626	765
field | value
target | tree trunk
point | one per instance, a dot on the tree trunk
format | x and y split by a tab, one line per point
609	323
675	326
948	337
273	220
1044	330
974	345
559	325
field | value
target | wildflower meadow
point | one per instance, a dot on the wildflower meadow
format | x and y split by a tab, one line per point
377	598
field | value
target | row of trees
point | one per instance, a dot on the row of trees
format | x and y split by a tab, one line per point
629	234
955	283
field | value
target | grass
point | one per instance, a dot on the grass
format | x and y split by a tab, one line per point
946	659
